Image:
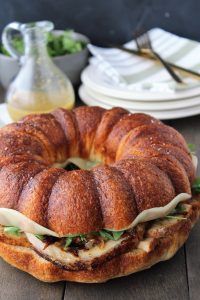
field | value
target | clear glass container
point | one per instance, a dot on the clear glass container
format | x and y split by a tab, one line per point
40	85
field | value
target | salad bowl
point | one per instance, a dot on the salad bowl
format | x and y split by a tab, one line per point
71	63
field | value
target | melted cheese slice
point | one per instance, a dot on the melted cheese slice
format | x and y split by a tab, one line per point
10	217
194	161
158	212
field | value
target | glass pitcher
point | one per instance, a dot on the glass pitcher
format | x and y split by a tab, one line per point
40	85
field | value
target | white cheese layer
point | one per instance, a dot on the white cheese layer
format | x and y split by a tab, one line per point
158	212
10	217
194	161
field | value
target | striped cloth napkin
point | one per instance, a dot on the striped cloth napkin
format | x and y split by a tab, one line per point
139	73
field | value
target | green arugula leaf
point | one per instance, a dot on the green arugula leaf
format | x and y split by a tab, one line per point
117	234
68	242
12	230
175	217
180	208
191	147
95	233
39	236
76	235
196	186
82	237
106	235
111	235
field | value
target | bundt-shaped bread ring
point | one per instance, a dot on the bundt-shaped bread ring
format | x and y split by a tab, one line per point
144	164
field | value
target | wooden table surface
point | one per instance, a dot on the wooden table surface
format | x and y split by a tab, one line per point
178	278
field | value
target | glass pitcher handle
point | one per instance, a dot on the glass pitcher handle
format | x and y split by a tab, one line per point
7	39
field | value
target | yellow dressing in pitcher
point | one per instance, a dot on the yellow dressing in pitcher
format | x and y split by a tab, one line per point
22	103
40	85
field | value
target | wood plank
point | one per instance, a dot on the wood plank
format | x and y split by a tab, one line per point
193	263
190	129
17	285
2	94
166	280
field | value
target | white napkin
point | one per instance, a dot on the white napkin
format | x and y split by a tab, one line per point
138	73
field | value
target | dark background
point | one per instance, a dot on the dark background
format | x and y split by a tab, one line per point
106	21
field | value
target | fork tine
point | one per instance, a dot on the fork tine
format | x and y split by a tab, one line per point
141	41
148	40
145	41
137	43
137	37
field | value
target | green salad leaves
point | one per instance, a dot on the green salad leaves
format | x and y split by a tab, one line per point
57	45
68	242
111	235
196	186
192	147
40	237
107	235
12	230
175	217
64	43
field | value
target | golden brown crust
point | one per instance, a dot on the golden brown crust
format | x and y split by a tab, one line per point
19	143
33	201
52	130
108	121
69	126
88	119
144	148
173	168
13	178
151	186
121	128
70	212
165	244
116	198
153	133
106	197
24	129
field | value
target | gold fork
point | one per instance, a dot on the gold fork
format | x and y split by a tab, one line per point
144	45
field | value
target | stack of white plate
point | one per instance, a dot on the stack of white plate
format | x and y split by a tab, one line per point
116	78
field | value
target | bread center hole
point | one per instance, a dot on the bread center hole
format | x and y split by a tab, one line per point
77	163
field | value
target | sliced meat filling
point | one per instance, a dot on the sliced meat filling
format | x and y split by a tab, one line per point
85	251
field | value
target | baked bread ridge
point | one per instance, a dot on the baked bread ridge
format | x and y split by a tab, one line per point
49	196
166	244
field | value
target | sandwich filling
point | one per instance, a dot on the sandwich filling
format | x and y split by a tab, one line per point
85	251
